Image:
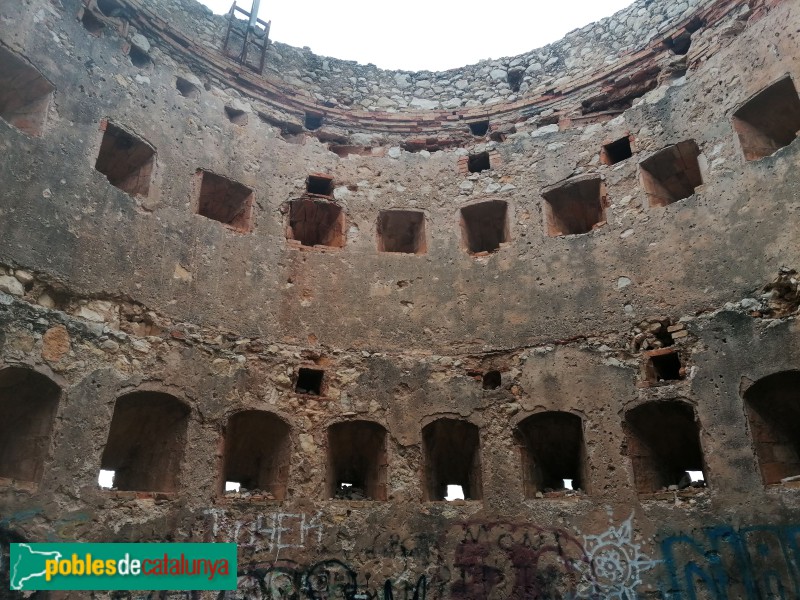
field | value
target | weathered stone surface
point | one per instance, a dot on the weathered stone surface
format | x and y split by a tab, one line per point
24	277
423	103
55	343
10	285
138	40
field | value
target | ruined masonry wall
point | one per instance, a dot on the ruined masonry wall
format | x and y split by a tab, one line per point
598	46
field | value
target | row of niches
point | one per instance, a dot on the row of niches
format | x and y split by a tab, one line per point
148	433
573	207
765	123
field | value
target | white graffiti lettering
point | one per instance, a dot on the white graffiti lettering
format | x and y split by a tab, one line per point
274	531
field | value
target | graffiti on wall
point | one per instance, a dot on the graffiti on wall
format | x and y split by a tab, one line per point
390	545
489	560
753	563
506	560
329	579
617	563
273	531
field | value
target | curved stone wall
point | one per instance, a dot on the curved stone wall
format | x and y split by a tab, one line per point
603	68
600	47
596	285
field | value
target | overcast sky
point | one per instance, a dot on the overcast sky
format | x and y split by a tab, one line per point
424	34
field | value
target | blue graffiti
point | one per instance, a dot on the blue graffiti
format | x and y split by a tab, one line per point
761	562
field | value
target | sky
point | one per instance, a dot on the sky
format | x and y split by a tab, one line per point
417	35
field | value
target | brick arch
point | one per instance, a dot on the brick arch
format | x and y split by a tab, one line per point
29	401
553	450
663	443
146	441
772	406
257	451
452	454
357	455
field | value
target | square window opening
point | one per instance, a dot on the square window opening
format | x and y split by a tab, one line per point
320	185
105	479
768	121
24	94
312	121
401	231
454	492
484	226
616	152
696	476
492	380
478	162
309	381
671	174
232	487
126	160
664	367
224	200
575	207
479	128
316	223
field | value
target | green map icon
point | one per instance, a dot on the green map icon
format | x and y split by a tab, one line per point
27	564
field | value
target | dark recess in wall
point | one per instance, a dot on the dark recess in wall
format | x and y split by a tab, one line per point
126	160
224	200
452	457
663	441
575	206
769	120
257	452
24	93
484	226
146	441
401	231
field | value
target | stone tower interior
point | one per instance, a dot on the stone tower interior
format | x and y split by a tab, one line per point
294	305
